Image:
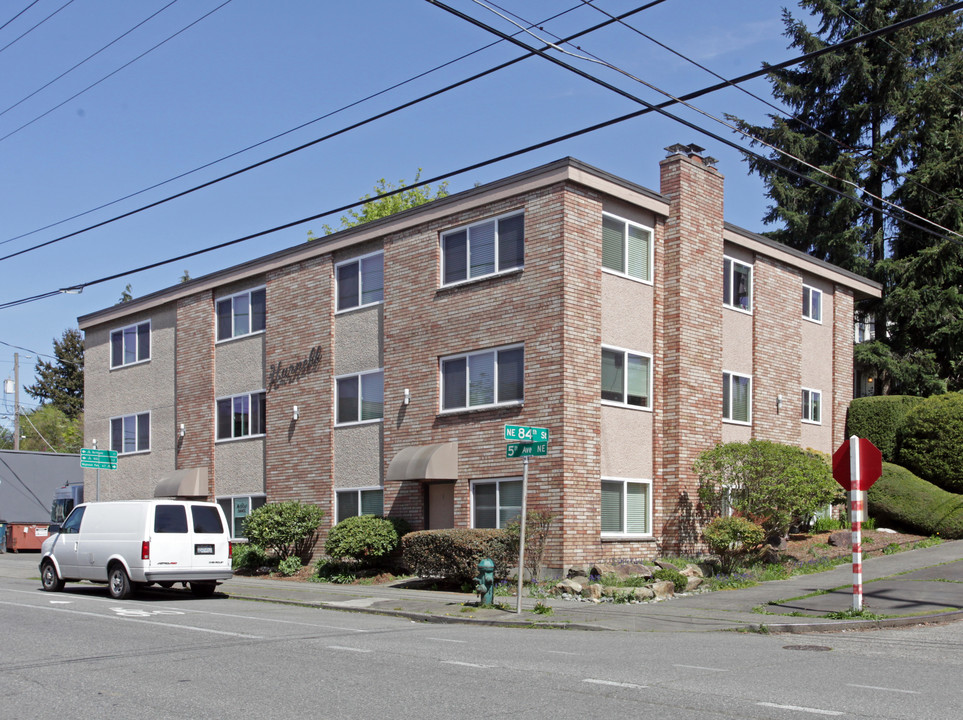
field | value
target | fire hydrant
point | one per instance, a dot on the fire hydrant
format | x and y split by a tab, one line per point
485	582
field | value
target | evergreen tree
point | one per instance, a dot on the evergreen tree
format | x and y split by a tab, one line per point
61	383
884	118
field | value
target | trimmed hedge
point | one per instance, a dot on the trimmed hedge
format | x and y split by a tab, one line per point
454	554
364	538
908	501
931	440
880	419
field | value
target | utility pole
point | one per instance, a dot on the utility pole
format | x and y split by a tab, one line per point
16	401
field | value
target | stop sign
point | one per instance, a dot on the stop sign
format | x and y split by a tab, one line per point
870	464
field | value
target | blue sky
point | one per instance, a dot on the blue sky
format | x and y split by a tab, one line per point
253	69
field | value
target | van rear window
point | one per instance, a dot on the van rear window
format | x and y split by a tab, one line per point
206	519
170	519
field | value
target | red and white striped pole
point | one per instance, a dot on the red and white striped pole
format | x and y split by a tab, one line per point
856	516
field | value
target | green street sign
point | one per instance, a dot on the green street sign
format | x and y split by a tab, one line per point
523	433
103	459
514	450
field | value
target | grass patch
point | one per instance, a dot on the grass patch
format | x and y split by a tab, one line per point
853	615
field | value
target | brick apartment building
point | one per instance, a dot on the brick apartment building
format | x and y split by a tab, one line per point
374	370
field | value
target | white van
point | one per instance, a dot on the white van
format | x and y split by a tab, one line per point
136	543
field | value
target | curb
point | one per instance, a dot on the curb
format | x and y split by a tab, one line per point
847	625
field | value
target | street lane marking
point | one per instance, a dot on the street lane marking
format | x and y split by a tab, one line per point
349	649
885	689
699	667
796	708
613	683
465	664
560	652
446	640
133	620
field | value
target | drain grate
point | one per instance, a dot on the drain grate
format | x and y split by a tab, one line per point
811	648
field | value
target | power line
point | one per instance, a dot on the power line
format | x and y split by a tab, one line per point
19	14
113	72
274	137
311	143
698	128
27	32
531	148
89	57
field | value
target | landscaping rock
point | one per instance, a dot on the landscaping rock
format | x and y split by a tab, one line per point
582	580
694	582
568	586
663	589
634	570
666	565
841	538
579	570
643	593
592	592
600	569
692	571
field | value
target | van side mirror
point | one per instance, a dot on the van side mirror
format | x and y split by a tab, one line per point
53	528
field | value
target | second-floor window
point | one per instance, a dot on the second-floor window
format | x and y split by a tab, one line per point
241	314
811	405
361	397
130	433
361	282
626	248
240	416
130	345
812	304
626	378
736	398
485	248
480	379
737	285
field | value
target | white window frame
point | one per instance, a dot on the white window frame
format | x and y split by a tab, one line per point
250	316
467	357
499	270
623	533
136	419
228	500
358	490
137	345
625	378
498	498
812	298
360	384
359	261
650	261
812	400
729	278
727	388
232	398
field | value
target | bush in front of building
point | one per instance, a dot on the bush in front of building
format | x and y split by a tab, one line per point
538	525
453	554
678	580
288	529
734	539
931	441
249	557
365	539
772	484
909	502
880	420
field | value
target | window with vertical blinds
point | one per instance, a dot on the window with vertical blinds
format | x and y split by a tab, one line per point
626	248
496	503
736	398
485	248
359	501
360	397
625	507
361	281
480	379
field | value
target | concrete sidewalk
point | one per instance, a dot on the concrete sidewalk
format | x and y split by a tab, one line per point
908	588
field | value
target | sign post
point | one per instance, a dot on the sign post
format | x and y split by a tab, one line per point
94	458
528	441
857	464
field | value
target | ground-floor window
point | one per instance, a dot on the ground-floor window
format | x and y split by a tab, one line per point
495	503
360	501
236	509
626	507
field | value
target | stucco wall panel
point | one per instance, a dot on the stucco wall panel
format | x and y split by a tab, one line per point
358	456
240	467
358	344
239	365
626	443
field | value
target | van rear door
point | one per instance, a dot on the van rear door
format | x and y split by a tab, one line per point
211	544
170	545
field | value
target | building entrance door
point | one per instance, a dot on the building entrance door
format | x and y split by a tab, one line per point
441	506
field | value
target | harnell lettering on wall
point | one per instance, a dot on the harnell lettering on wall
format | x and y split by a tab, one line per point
281	374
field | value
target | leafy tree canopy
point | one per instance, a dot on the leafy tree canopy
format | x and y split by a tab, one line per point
49	429
61	383
384	206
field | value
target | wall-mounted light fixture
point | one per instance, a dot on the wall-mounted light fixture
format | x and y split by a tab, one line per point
181	430
407	396
778	402
295	414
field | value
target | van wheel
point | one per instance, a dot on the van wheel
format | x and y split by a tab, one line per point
203	589
49	579
118	583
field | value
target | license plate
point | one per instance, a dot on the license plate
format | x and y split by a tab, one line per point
203	549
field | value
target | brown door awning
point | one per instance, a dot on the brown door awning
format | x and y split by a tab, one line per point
425	462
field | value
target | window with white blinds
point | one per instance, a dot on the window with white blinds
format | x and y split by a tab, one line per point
625	507
482	249
495	503
736	398
626	248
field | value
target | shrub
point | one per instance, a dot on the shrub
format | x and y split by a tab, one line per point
880	419
931	441
772	484
288	528
679	580
364	538
290	565
248	556
454	554
827	524
733	539
908	501
537	527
